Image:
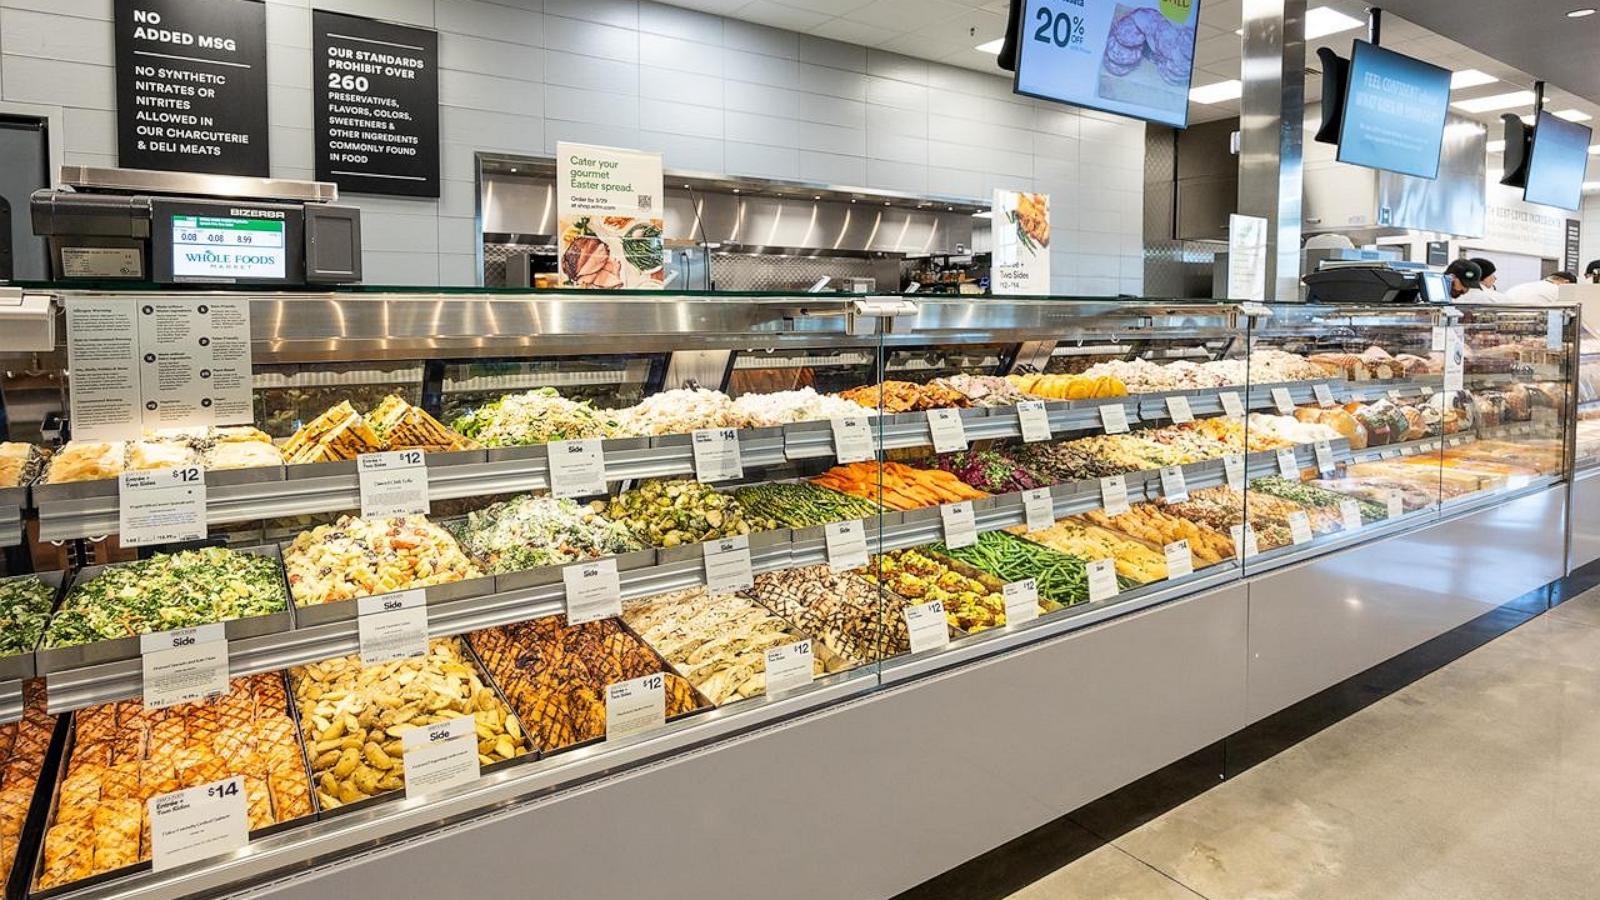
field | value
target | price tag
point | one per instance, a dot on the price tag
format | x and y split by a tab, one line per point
1324	454
394	483
577	468
1324	395
1555	327
847	544
1035	421
1102	580
1022	601
960	524
716	455
162	506
636	706
852	440
1395	505
1299	527
1233	470
1350	513
1244	541
1114	494
392	626
949	436
1039	508
789	667
594	591
198	823
1395	394
1114	418
186	665
1232	404
927	627
1455	359
1180	559
440	756
1283	401
1288	466
728	565
1438	339
1173	486
1178	410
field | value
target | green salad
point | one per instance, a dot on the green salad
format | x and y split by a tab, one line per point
24	610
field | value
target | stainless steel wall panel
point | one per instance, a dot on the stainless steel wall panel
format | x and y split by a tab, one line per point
1315	624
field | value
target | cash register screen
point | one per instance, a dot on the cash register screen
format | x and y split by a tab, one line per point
226	247
1435	287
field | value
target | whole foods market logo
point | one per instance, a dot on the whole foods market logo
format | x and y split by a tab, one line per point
211	259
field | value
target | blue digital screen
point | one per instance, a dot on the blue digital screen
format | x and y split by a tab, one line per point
1557	165
1131	57
1394	110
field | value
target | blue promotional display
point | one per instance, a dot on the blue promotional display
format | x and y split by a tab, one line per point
1394	112
1132	58
1558	162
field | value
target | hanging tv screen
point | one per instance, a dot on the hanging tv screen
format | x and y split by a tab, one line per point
1131	58
1557	164
1394	110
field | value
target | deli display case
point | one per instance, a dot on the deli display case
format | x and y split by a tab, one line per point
606	535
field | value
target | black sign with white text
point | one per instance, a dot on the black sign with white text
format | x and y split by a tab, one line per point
192	86
1570	255
377	105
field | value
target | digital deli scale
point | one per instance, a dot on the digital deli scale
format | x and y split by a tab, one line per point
1376	282
175	228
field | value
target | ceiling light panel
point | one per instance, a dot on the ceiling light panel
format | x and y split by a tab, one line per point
1495	102
1325	20
1470	78
1217	92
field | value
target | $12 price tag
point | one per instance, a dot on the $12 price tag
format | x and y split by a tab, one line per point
635	706
393	483
162	506
790	667
926	626
1022	601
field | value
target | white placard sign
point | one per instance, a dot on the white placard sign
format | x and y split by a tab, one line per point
716	455
186	665
1034	420
1324	395
1173	486
1394	504
1232	404
392	626
1180	559
393	483
577	468
1233	470
1020	234
1038	508
1179	411
103	358
636	706
926	626
198	823
1555	327
1102	579
790	667
1022	601
1299	527
1114	418
1114	494
949	435
440	756
194	362
1288	466
611	205
846	544
960	524
1324	454
594	591
852	439
1247	258
1437	339
1455	359
1283	401
1244	541
161	506
1350	515
728	565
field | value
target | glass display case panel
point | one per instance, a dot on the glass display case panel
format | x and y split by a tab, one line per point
608	382
824	370
287	396
1519	376
923	364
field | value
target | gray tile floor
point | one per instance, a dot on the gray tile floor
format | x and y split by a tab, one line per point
1480	780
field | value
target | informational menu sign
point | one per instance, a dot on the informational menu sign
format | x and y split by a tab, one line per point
727	562
1247	258
192	86
947	432
1102	579
1021	236
376	90
960	524
1038	509
1114	418
1455	358
594	591
1232	404
1174	488
1233	469
610	205
1114	494
846	544
852	440
1178	410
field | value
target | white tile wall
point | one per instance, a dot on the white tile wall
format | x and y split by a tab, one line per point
714	95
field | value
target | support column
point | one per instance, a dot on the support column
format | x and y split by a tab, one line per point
1271	133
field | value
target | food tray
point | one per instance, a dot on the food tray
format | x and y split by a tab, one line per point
31	840
125	648
67	735
349	610
955	565
21	665
472	659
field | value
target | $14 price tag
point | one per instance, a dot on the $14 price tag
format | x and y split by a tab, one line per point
1180	559
198	823
1034	420
393	483
716	455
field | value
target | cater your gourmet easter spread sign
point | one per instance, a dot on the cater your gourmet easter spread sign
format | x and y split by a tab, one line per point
1021	228
610	202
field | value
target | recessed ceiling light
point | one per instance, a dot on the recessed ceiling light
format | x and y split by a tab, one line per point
1239	32
1495	102
1594	149
1217	92
1573	115
991	46
1497	146
736	190
513	170
1580	13
816	197
1325	20
1470	78
885	203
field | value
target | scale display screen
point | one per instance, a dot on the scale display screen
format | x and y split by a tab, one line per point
226	247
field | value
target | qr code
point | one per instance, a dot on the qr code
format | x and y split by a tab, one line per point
646	202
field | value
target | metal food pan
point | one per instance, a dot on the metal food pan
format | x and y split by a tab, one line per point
31	839
59	659
314	614
531	578
21	665
758	541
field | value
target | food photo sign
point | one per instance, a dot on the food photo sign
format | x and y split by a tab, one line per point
1021	227
611	207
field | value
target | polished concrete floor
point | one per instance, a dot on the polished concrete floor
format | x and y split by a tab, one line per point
1480	780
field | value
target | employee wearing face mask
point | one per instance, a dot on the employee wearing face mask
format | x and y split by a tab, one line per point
1467	283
